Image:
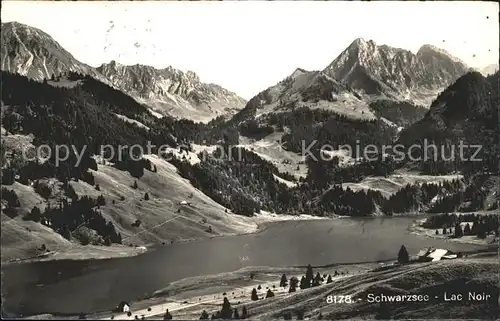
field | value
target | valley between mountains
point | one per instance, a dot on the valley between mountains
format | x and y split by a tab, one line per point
223	173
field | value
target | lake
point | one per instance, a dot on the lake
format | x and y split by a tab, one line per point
95	285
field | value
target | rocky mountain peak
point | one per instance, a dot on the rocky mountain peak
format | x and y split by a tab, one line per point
433	50
192	75
298	72
490	69
33	53
430	54
382	70
362	44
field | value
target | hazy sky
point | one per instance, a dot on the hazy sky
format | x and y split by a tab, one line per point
249	46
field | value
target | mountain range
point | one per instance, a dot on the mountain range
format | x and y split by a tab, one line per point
368	95
31	52
366	81
363	73
223	160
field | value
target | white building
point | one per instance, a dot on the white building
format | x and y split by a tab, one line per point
432	254
123	307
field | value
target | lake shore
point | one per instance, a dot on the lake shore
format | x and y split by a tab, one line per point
284	245
94	252
187	298
416	229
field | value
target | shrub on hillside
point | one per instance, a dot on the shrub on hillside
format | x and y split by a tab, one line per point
87	236
43	189
34	215
100	201
11	198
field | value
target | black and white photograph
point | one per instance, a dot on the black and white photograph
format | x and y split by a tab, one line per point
260	160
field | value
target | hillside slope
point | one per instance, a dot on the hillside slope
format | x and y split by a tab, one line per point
434	279
163	217
465	113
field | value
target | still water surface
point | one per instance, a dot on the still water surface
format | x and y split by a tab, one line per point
95	285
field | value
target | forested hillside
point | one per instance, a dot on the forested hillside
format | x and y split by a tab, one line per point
79	111
465	113
403	114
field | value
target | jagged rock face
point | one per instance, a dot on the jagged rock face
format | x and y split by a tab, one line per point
396	73
32	53
173	92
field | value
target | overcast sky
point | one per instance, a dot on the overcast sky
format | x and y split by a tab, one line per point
249	46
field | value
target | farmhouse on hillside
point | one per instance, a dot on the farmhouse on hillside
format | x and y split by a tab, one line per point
123	306
432	255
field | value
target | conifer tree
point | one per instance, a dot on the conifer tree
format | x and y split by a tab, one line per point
458	230
226	312
244	313
293	284
403	256
304	283
283	281
317	280
467	230
236	314
254	295
269	294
